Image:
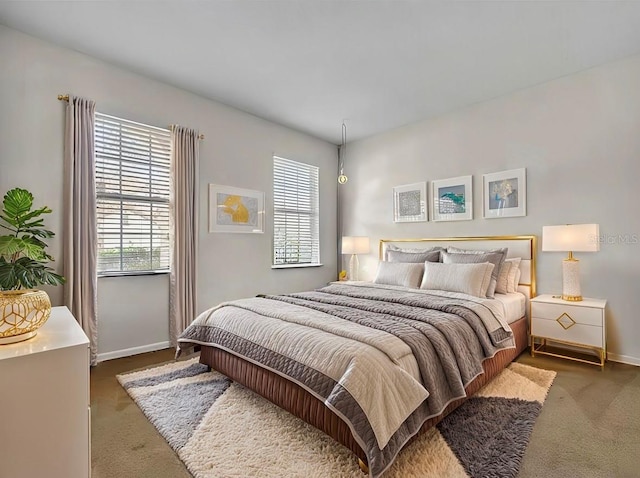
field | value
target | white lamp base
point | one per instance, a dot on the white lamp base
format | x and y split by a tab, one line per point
571	280
354	265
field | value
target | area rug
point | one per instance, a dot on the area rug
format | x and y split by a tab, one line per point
218	428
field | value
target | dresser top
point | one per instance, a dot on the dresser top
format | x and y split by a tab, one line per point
60	331
585	302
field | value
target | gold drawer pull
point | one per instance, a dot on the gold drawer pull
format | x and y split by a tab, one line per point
566	321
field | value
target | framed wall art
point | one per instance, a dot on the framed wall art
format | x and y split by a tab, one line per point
235	209
452	199
410	202
505	193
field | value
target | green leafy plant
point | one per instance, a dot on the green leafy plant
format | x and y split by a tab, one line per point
23	259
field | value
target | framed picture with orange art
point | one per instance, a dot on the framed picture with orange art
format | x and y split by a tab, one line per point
234	209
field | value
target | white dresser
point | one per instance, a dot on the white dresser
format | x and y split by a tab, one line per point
580	325
44	402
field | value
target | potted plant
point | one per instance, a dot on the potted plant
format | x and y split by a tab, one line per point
23	266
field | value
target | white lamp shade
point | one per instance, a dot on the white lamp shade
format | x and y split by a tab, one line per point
571	238
355	245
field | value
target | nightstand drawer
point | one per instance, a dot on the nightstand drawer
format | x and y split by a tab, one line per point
577	333
581	315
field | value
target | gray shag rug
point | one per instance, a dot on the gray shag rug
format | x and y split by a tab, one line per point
218	428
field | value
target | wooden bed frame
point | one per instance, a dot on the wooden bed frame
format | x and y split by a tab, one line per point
299	402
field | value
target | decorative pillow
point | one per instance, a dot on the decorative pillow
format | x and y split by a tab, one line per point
496	258
472	279
502	285
514	274
399	273
502	250
496	271
392	247
402	256
517	280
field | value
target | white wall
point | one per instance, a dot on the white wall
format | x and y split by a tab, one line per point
578	137
237	151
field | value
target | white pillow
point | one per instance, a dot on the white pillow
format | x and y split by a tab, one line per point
405	274
472	279
514	274
502	284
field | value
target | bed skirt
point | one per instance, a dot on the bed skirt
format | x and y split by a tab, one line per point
299	402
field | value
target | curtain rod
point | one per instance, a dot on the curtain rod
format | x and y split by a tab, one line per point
66	98
200	136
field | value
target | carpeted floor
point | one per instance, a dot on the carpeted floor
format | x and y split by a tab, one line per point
589	426
211	422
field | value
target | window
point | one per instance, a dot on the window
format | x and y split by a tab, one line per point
296	230
132	192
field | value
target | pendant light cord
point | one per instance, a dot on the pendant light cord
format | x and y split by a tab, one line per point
343	147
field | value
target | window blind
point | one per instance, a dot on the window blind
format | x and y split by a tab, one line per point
296	229
132	195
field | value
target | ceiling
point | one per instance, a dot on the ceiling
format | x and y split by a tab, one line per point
309	65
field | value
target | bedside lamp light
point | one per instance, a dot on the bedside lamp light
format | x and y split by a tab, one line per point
355	245
571	238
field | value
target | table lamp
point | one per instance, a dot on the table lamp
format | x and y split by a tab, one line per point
355	245
571	238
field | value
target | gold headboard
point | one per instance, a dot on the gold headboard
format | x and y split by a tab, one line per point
524	247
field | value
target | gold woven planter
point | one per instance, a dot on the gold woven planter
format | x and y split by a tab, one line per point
22	312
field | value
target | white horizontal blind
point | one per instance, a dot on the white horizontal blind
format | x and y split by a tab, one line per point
132	191
296	229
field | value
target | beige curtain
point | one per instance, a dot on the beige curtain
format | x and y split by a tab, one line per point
184	260
80	234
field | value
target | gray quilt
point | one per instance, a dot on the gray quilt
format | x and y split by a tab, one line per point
384	359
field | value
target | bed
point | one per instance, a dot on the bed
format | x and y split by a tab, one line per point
325	376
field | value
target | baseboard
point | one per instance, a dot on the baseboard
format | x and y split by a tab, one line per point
132	351
623	359
165	345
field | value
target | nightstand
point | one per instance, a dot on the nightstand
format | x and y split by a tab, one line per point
580	325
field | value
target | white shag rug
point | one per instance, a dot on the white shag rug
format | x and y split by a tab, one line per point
220	429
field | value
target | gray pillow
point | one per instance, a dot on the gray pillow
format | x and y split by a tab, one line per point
392	247
502	250
498	269
495	258
402	256
399	273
